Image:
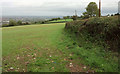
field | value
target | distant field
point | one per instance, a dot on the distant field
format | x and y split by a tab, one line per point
62	20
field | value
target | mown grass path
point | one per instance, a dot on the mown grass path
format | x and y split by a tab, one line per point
38	48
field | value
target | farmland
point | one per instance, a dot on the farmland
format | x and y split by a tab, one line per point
60	36
55	47
37	48
61	20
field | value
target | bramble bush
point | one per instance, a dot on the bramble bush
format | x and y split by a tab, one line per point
104	28
94	37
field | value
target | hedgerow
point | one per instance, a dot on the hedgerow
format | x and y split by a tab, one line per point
104	28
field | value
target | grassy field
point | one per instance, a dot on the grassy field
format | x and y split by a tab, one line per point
0	50
50	48
39	48
62	20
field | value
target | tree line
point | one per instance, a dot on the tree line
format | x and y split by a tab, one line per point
91	11
15	23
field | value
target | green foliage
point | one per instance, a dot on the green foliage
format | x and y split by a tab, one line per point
65	17
68	17
105	28
91	54
94	38
74	17
26	23
12	23
5	25
91	10
55	19
61	21
19	22
51	39
86	15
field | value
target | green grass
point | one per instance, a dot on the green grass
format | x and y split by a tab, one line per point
15	38
62	20
52	45
40	37
0	50
94	55
42	40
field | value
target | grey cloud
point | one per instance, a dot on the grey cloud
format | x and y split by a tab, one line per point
56	8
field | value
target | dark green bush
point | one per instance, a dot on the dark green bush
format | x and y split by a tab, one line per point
12	23
19	22
104	28
5	25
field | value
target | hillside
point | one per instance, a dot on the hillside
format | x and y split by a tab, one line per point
39	48
99	38
51	48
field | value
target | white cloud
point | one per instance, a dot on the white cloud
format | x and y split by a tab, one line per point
53	7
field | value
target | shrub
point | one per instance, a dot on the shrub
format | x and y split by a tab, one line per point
103	29
5	25
12	23
43	22
74	17
19	22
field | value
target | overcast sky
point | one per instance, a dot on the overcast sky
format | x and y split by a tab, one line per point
53	7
